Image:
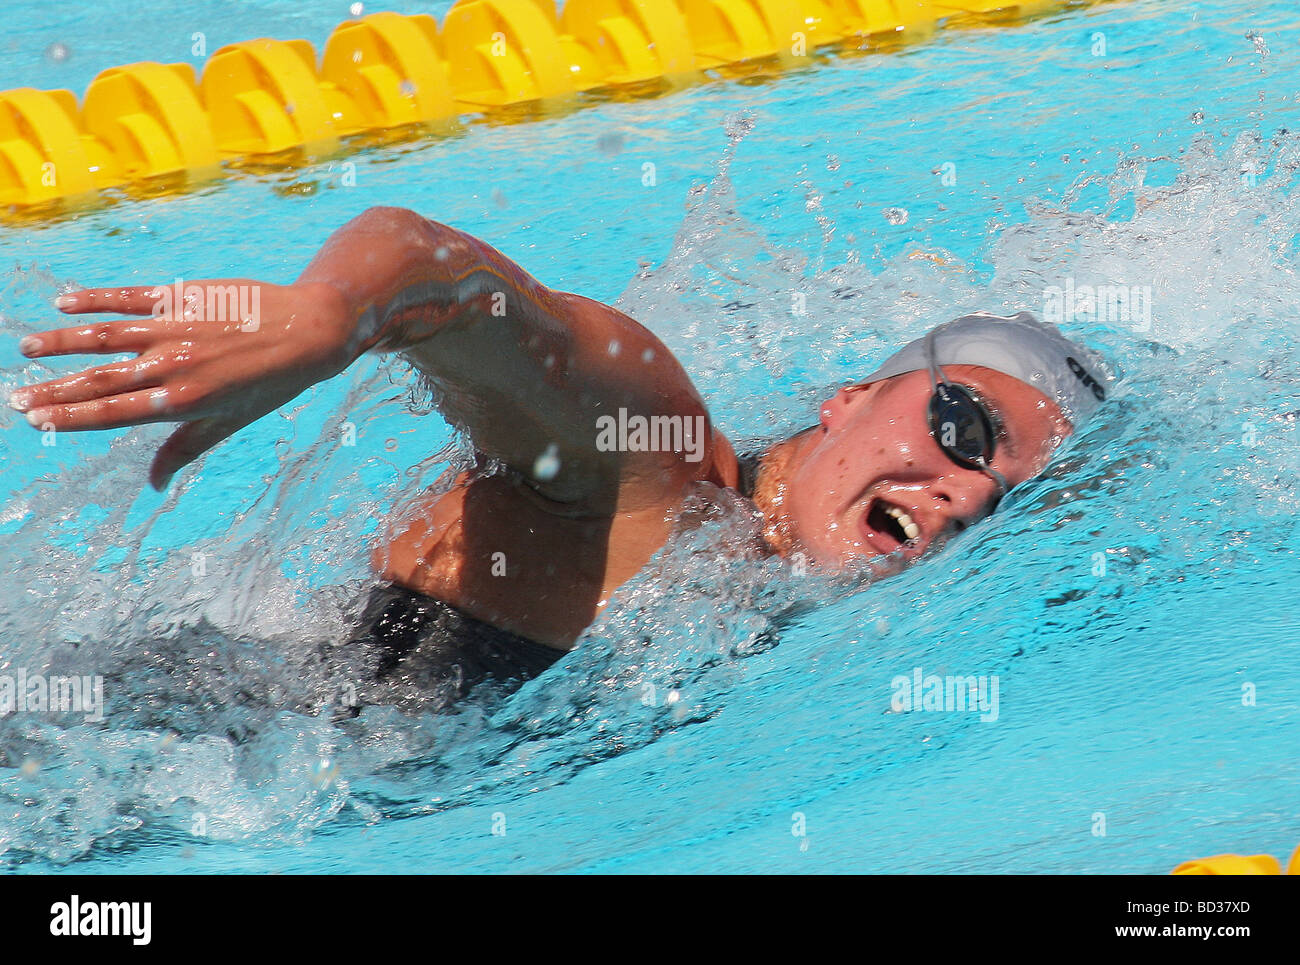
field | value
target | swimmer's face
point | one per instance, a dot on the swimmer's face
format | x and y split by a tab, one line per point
871	472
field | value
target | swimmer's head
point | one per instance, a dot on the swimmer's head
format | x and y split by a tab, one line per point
931	441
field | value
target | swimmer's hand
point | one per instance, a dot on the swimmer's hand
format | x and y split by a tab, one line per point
214	377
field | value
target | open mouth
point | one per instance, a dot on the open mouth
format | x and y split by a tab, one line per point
889	527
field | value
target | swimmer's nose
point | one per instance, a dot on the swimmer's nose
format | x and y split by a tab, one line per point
964	498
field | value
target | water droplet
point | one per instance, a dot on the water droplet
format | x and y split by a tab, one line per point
547	465
1197	117
58	52
407	88
324	772
648	355
357	9
895	215
614	348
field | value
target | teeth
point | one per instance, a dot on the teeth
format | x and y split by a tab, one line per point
905	521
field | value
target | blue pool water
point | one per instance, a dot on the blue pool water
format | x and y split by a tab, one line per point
1136	604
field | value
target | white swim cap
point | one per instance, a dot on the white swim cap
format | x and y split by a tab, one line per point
1071	375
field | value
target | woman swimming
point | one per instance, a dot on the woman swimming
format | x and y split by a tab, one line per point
589	432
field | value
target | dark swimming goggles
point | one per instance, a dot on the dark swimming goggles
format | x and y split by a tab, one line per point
960	423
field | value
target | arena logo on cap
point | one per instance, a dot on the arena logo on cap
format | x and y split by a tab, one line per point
1126	305
1082	375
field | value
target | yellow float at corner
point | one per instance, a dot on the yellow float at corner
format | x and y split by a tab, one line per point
1236	864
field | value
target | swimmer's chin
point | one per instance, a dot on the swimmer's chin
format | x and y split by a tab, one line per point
803	558
858	559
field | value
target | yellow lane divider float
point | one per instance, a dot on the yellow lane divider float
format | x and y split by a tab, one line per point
151	128
1237	864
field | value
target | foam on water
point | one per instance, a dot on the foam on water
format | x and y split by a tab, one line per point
221	651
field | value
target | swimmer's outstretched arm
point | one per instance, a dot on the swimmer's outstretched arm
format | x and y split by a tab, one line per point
527	371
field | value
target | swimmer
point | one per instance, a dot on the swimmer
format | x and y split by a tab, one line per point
504	571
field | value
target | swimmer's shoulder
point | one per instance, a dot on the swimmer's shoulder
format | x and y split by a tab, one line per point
724	467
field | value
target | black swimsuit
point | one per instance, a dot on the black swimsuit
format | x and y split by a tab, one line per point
443	647
748	466
449	650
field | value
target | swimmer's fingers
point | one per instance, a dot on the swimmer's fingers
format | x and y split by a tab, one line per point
188	443
120	301
95	383
100	338
117	411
